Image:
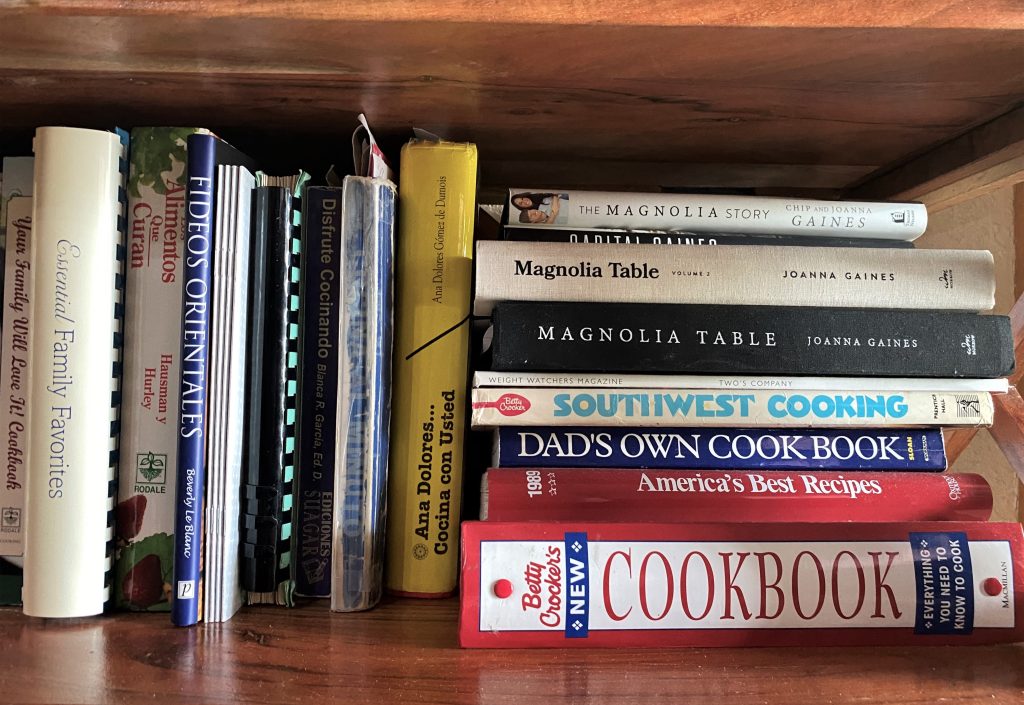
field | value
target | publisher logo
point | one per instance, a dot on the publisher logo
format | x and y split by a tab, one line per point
151	468
506	404
10	520
186	589
970	345
968	406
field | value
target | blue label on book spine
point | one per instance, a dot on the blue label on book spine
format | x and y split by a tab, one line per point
700	449
577	611
945	583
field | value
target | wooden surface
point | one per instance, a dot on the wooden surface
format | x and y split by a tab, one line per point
765	13
405	652
767	84
989	157
1008	429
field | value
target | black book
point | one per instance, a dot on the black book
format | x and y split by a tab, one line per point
655	237
754	340
273	358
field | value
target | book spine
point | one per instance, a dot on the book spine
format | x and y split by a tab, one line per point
957	280
78	226
16	373
364	421
681	339
186	601
668	496
586	584
323	258
661	237
720	448
272	454
488	378
434	269
497	406
152	371
715	213
228	374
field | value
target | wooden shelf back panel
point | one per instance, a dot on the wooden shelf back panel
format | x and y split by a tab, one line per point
405	652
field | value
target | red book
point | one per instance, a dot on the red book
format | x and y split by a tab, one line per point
544	494
626	585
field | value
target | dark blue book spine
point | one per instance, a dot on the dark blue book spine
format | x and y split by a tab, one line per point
186	604
319	409
722	448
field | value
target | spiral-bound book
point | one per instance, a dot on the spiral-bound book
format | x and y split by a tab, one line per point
274	369
77	259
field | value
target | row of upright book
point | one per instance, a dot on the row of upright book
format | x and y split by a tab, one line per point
717	420
162	296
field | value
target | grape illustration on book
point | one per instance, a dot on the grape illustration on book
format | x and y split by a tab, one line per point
154	152
128	517
144	580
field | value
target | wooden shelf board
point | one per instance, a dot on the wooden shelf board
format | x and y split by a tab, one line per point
405	652
819	99
986	158
766	13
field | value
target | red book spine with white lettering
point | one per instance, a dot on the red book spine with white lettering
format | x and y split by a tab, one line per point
576	494
545	584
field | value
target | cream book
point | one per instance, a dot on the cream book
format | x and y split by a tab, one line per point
846	277
152	369
16	207
77	260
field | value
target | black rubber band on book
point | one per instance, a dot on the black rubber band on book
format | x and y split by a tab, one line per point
437	338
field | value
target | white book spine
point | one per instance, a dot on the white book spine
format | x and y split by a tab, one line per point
16	374
78	217
954	280
225	449
525	406
753	215
487	378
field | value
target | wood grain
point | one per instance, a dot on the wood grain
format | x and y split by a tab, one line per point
986	158
1008	429
981	14
544	92
405	652
957	440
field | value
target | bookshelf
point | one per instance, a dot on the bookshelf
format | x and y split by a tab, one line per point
919	100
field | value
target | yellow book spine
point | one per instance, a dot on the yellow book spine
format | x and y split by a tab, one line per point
436	205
